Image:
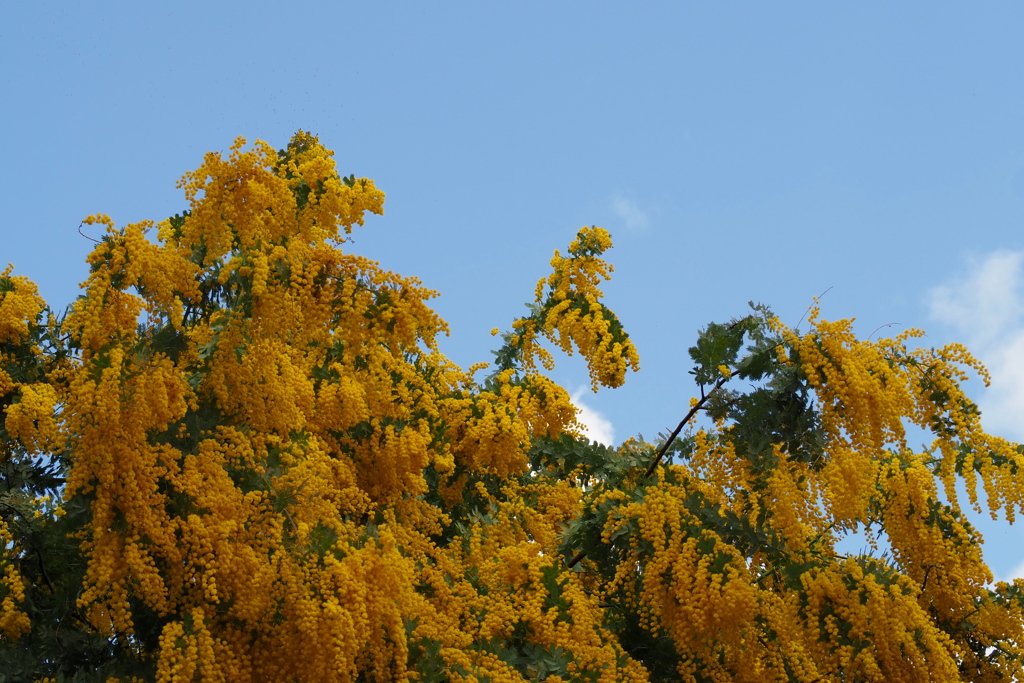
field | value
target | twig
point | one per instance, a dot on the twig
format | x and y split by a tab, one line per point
816	299
84	235
42	570
693	411
880	327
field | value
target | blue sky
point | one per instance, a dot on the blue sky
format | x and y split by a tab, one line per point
737	151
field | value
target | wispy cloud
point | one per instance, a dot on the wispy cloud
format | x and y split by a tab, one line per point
1015	573
985	305
630	213
595	426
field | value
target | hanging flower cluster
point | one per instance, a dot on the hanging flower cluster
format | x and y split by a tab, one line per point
568	312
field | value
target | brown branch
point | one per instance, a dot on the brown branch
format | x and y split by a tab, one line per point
880	327
575	559
693	411
42	571
84	235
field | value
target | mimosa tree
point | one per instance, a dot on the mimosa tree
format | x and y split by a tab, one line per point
240	456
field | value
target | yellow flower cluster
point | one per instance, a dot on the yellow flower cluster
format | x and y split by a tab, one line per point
497	425
13	620
693	585
503	580
255	198
847	605
867	392
32	419
19	306
572	314
29	394
30	407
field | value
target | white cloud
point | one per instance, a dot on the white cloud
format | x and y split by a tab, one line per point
986	307
1015	573
629	213
987	302
595	426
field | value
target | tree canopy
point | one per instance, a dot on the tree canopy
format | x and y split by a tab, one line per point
240	456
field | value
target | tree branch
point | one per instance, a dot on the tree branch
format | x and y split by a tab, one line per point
665	446
693	411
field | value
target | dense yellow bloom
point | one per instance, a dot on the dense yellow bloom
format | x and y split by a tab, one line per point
32	419
571	314
277	476
257	450
18	307
13	620
772	598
